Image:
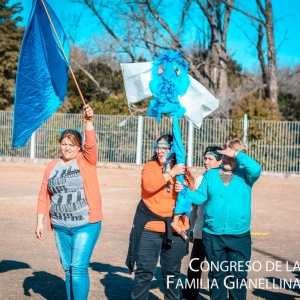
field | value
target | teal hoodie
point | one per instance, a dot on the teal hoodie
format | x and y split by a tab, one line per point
228	208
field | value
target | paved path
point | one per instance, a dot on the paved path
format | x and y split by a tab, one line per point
30	269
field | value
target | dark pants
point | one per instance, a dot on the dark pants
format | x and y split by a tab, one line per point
234	251
151	247
191	291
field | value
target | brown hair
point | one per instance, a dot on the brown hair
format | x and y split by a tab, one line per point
73	135
236	144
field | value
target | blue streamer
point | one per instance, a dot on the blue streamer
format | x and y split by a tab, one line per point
169	81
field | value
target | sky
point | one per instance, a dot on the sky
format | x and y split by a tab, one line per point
287	29
287	34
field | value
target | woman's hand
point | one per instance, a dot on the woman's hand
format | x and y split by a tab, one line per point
39	231
227	152
177	170
178	187
88	112
88	116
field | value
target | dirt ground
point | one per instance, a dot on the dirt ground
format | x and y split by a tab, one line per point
30	269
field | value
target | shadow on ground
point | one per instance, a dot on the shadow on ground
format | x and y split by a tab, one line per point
116	284
9	265
50	287
279	283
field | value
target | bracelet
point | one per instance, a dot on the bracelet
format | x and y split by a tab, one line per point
170	178
86	120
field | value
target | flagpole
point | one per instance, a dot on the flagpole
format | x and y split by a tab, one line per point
62	49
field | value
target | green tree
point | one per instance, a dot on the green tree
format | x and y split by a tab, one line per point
234	74
289	106
10	42
257	110
102	87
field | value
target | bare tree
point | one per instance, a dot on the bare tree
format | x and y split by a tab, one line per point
141	28
218	17
108	15
288	80
264	25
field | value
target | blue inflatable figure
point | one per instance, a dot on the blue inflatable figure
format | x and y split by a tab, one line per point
170	80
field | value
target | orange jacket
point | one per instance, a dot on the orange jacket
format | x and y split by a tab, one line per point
157	198
86	160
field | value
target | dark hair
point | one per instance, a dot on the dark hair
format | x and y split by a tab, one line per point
214	150
172	160
169	139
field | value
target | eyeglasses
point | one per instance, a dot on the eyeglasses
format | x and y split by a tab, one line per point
71	146
162	149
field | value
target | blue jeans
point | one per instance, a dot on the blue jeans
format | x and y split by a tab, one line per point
75	246
151	247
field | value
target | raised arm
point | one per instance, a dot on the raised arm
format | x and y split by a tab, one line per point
252	168
90	148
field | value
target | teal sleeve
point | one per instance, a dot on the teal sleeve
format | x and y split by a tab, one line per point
252	168
199	196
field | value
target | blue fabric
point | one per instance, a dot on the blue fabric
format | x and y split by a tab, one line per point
216	155
166	87
42	75
183	203
75	246
160	144
228	208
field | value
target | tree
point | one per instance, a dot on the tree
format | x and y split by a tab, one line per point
101	86
289	106
264	25
288	80
10	42
257	110
218	16
289	92
147	27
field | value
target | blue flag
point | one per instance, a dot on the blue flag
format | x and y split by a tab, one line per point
42	76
